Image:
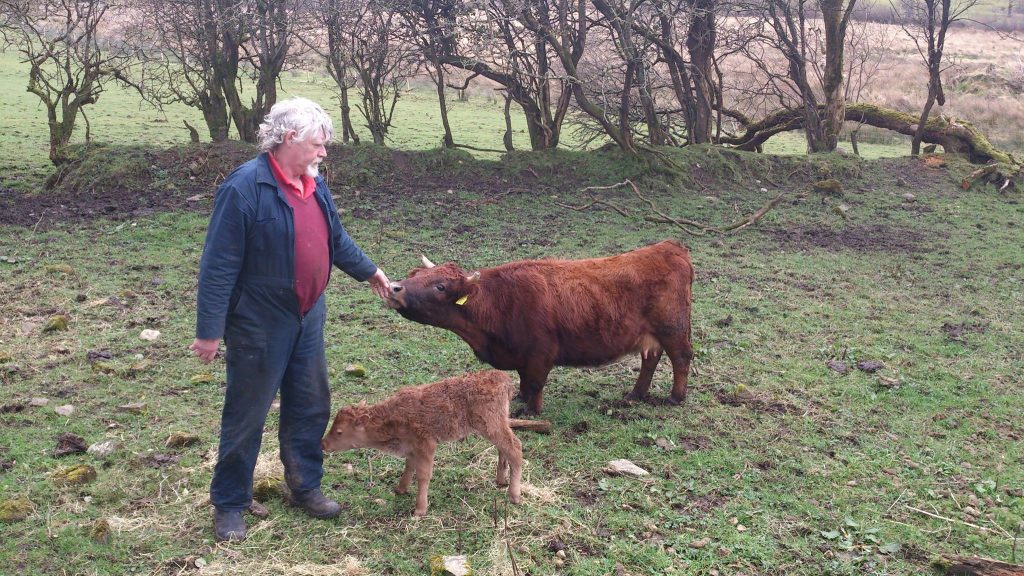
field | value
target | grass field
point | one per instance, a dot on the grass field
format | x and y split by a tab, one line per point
777	464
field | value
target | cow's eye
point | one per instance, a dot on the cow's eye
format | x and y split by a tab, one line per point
440	287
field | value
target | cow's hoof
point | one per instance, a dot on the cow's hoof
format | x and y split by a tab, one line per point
400	490
524	412
673	401
634	397
419	512
515	498
502	484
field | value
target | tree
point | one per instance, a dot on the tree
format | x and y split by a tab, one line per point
69	62
326	36
926	22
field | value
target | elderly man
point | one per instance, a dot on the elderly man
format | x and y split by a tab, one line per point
273	236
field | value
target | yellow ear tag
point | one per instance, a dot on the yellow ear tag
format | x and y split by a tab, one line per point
462	300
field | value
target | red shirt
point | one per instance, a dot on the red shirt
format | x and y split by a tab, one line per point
312	256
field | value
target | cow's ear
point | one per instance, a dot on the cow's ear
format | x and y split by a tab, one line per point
426	261
473	277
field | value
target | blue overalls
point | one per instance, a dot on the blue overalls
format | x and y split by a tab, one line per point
247	296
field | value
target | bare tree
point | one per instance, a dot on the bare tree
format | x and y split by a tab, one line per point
382	62
69	61
926	23
326	35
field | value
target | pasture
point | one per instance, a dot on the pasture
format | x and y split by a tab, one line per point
855	407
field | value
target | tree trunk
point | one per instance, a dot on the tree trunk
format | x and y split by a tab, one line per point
915	143
961	566
700	43
507	137
956	138
449	141
834	17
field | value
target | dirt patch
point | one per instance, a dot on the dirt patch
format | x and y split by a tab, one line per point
757	402
872	238
958	332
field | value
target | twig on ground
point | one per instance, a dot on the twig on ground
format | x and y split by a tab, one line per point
950	520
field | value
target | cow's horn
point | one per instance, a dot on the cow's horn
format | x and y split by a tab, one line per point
426	261
473	277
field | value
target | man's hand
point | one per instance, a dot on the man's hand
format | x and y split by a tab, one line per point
380	284
205	350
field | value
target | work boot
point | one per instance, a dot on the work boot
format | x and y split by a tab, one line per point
316	504
228	525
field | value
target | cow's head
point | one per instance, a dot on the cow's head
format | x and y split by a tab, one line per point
431	294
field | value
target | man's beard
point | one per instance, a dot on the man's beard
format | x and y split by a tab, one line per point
313	170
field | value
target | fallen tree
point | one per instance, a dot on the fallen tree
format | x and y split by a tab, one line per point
954	135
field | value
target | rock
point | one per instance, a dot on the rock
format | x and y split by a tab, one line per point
16	509
150	335
837	366
132	407
664	444
181	439
560	554
68	443
829	187
65	410
841	209
901	182
38	402
140	366
624	468
58	323
454	565
267	489
870	366
100	531
356	370
908	198
76	475
104	448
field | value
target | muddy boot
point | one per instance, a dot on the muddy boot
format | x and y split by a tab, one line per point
228	525
316	504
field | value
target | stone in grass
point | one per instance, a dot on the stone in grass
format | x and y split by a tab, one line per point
132	407
181	439
57	323
38	402
15	509
68	443
870	366
65	410
149	334
624	468
75	475
356	370
100	531
453	565
837	366
266	489
104	448
830	187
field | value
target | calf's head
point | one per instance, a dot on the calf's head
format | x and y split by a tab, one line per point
432	294
348	430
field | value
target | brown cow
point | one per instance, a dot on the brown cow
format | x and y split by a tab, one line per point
532	315
412	422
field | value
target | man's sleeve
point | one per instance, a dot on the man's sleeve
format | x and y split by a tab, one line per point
347	255
221	263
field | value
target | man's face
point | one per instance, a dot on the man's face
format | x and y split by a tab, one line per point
307	154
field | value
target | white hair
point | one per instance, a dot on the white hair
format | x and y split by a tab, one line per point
302	115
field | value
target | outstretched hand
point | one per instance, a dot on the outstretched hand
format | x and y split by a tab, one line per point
380	284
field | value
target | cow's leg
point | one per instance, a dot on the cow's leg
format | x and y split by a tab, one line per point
406	479
531	386
648	363
424	470
680	353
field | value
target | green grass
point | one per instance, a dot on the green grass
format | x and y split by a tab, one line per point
810	472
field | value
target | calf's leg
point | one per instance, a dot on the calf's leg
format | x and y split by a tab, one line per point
424	470
510	459
403	482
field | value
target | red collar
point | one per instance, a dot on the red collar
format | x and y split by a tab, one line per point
308	183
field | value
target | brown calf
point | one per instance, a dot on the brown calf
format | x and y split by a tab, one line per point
415	419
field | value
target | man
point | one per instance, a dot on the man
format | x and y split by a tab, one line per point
273	236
